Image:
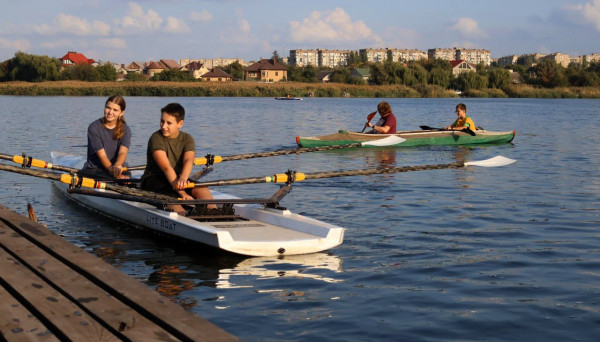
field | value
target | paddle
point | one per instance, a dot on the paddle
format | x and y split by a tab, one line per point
369	118
466	130
82	181
28	161
296	177
210	159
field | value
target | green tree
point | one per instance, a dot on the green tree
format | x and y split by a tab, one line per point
498	78
32	68
549	74
389	56
172	75
340	75
235	69
440	76
135	77
378	74
419	73
275	57
107	73
470	80
309	74
80	72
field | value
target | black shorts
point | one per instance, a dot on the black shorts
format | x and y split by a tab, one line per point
158	184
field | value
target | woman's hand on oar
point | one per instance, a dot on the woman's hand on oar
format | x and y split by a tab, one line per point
298	176
369	118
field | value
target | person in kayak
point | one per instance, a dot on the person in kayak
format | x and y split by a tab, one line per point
108	142
463	121
387	123
170	157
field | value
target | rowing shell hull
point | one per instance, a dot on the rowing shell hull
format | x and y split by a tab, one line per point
260	232
412	138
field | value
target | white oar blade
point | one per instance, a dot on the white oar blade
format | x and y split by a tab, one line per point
492	162
387	141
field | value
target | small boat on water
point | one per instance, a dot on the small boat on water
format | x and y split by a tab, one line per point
289	98
253	227
410	138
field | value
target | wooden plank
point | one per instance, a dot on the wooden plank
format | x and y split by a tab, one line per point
19	324
80	290
161	311
64	318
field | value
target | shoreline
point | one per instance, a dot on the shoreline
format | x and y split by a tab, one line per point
294	89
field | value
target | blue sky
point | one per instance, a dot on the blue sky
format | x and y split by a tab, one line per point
143	30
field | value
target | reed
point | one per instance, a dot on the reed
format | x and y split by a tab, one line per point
254	89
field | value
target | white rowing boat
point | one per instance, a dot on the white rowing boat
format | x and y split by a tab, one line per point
257	230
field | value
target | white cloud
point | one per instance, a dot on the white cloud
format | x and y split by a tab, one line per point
115	43
468	28
137	21
588	13
18	44
68	24
330	26
175	25
202	16
66	44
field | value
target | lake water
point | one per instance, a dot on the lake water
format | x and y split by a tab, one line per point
508	254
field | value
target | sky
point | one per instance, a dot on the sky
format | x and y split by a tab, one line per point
144	30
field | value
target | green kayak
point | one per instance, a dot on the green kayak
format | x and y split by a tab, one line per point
412	138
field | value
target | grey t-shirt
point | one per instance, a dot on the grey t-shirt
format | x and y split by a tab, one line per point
100	137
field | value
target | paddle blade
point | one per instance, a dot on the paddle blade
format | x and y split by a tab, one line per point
426	128
371	116
387	141
492	162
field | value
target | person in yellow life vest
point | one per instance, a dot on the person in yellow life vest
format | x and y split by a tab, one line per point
463	121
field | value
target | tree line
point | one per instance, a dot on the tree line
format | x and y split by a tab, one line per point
438	72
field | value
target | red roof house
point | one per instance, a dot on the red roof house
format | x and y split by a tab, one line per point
73	58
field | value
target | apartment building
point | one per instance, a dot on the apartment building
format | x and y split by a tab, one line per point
407	55
442	53
508	60
302	58
373	55
474	56
560	58
398	55
590	58
211	63
333	58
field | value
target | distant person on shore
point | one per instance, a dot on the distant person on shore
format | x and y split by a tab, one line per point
463	121
387	123
108	142
170	157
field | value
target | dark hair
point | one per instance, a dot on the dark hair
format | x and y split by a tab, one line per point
174	109
384	108
461	106
118	132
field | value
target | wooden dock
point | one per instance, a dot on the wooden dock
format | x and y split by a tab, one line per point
52	290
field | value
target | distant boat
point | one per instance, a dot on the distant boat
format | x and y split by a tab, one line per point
288	98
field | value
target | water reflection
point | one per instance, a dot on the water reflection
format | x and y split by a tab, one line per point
381	157
294	266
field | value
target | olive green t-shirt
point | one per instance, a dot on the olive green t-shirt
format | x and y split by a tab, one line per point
174	147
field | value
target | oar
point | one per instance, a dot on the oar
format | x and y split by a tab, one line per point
466	130
296	177
387	141
82	181
369	118
28	161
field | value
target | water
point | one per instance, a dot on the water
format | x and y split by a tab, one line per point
509	253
